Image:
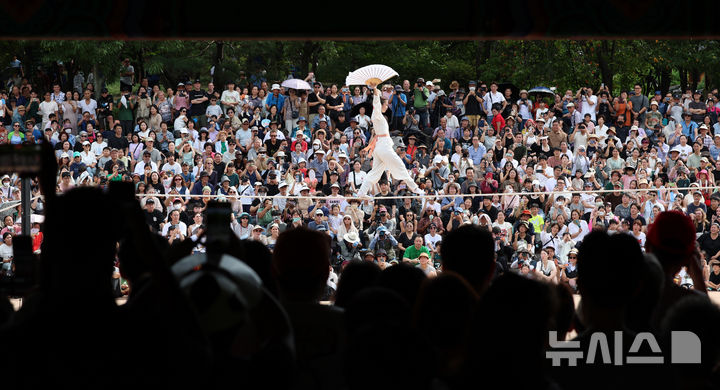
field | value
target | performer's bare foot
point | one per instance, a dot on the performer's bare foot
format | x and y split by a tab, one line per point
418	191
363	197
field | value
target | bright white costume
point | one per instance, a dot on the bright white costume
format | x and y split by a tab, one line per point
384	155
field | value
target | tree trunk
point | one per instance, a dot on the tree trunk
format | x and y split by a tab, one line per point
480	45
217	60
683	79
140	73
98	80
665	76
605	72
695	75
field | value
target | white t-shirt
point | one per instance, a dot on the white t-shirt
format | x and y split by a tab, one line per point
97	148
452	123
88	158
175	168
491	98
140	167
6	251
430	240
505	230
582	228
213	110
685	151
47	108
545	269
230	97
640	238
587	108
524	111
357	178
89	107
180	224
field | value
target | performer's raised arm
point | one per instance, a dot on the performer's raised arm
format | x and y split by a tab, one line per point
380	124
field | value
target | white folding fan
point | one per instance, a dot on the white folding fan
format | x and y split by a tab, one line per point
370	75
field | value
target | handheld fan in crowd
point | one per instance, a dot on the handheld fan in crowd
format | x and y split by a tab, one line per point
370	75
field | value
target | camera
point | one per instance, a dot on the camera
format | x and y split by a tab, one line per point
472	89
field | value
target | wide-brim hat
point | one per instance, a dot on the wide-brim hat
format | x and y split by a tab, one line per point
351	237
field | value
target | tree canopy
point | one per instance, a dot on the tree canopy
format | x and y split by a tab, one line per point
564	64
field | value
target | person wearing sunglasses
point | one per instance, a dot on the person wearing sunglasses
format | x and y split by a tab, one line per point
569	270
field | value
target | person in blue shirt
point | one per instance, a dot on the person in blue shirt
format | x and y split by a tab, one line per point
688	127
275	98
715	147
398	102
476	151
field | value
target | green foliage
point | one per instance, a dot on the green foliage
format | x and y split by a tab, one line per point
565	64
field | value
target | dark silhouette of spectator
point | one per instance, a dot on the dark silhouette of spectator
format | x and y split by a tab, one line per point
512	320
671	238
378	308
700	316
259	258
6	310
476	266
384	350
404	279
355	277
301	277
610	271
444	310
74	313
565	317
642	308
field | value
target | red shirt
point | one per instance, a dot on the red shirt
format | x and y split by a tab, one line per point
411	149
498	122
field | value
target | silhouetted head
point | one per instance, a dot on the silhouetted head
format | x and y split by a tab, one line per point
301	264
444	307
78	258
391	357
476	265
444	310
512	319
699	315
403	279
355	277
376	307
259	258
609	269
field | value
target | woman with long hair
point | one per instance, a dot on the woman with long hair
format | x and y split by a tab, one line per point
178	184
347	226
275	116
199	143
69	109
511	179
154	118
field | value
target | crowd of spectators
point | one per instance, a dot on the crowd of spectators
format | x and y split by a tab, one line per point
540	172
528	200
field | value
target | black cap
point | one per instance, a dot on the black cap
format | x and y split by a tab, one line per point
104	90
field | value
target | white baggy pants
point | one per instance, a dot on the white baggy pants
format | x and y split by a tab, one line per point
385	158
